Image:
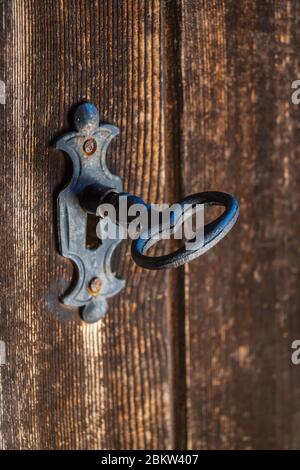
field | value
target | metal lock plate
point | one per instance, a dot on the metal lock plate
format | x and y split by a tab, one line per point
87	149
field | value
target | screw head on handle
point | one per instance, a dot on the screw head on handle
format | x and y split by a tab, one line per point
94	287
90	147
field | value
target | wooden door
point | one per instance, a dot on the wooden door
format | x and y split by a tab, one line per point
198	357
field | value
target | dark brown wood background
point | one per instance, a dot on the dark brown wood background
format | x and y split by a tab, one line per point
199	357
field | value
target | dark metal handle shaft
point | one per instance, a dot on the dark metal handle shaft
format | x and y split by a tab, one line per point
93	196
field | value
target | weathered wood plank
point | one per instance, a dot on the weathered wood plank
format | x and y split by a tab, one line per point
240	133
66	384
201	92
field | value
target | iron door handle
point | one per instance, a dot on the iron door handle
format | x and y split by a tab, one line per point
93	197
93	187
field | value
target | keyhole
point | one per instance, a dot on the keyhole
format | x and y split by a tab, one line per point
92	241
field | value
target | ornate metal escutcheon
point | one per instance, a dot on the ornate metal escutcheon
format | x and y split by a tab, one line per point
87	149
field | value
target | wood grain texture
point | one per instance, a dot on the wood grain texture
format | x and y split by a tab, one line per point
198	357
68	385
240	134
